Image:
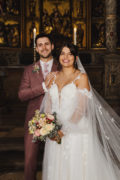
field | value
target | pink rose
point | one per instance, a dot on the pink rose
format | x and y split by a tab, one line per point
37	132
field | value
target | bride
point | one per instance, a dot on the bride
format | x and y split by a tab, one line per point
90	147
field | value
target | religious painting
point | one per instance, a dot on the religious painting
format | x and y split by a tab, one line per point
56	18
79	21
79	9
13	35
98	8
98	37
10	23
3	35
9	34
29	32
81	34
32	8
10	7
32	20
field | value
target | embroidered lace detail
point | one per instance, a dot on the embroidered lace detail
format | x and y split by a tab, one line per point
86	92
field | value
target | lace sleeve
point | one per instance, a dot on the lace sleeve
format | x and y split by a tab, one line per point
80	115
83	99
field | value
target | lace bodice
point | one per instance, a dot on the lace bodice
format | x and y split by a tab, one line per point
63	102
69	102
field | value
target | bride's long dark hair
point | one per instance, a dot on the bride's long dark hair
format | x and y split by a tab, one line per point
73	50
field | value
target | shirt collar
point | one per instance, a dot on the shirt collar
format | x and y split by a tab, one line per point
50	61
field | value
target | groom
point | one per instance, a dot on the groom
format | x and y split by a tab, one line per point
32	89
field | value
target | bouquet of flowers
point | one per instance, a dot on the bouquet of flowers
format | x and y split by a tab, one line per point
44	125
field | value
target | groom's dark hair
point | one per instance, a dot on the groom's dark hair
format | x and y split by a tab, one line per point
41	35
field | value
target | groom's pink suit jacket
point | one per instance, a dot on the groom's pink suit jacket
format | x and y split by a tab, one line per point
31	89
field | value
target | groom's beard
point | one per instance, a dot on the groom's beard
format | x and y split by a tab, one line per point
47	56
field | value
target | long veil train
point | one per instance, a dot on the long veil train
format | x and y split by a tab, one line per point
105	125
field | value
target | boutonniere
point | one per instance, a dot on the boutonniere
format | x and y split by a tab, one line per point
36	68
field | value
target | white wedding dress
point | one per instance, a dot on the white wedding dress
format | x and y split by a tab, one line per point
80	156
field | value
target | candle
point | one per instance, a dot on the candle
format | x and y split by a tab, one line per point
34	36
75	35
34	45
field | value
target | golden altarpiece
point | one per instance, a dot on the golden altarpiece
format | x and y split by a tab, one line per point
59	17
18	18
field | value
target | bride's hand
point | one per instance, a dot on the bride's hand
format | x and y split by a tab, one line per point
60	133
49	78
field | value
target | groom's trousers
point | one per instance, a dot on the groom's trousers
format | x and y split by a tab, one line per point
31	157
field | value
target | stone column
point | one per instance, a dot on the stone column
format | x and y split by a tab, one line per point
111	34
111	59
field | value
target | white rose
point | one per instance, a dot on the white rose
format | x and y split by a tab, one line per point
43	132
49	127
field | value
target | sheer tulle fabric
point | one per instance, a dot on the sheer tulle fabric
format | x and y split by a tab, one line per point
90	148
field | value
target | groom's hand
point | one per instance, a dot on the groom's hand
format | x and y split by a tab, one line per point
49	78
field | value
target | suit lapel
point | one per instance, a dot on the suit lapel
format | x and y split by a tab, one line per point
39	74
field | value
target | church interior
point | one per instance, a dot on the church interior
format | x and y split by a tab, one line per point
93	25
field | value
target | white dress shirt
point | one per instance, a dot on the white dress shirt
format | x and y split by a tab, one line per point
50	63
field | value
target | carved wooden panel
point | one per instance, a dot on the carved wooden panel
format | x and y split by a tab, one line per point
112	77
10	23
98	24
96	76
11	82
9	58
